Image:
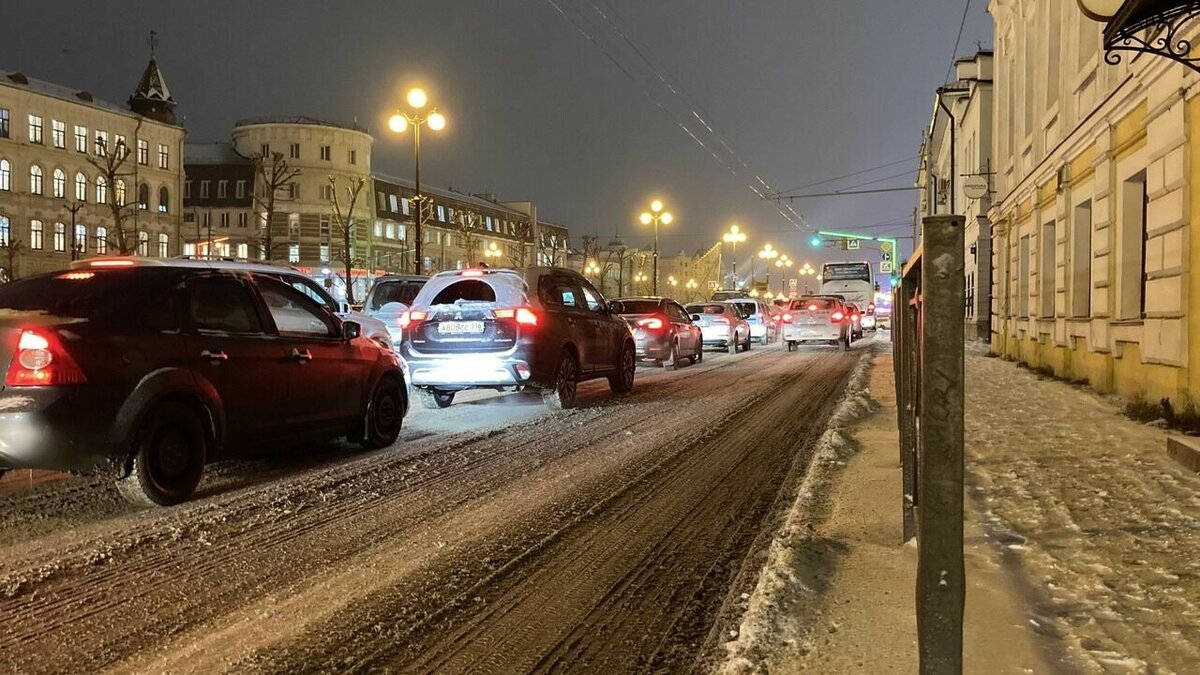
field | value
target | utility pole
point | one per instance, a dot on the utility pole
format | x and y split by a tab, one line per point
76	246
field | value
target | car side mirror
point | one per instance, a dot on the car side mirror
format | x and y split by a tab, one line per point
695	318
351	330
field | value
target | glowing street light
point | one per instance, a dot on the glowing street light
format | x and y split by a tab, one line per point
783	262
591	268
733	237
492	251
640	279
656	215
400	122
767	253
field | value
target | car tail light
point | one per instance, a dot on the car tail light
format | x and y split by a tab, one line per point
111	263
408	318
812	308
41	361
523	315
836	317
77	276
721	320
472	273
871	308
652	323
787	318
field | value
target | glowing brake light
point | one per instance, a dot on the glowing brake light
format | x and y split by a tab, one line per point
837	316
787	318
77	276
473	273
871	308
111	263
407	318
812	308
523	315
41	361
652	323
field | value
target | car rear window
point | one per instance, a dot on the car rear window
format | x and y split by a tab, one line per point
749	308
636	306
82	294
706	309
397	290
817	304
501	290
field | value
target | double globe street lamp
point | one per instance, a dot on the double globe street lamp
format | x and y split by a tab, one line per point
768	253
734	236
399	122
491	252
784	263
656	215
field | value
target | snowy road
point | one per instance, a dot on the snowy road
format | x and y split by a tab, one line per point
616	537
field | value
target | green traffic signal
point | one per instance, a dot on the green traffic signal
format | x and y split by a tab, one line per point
816	242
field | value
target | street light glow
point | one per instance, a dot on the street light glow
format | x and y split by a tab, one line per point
667	218
417	98
398	123
646	218
656	206
437	121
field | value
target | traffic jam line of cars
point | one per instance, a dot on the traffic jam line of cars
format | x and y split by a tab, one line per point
148	370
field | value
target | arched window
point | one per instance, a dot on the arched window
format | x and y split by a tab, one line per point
81	238
60	183
5	230
294	226
101	240
143	243
101	190
81	185
143	196
119	192
164	200
36	234
5	175
164	245
35	179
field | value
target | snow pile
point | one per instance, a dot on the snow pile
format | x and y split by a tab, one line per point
772	618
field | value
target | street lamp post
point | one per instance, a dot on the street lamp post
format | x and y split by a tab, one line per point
783	264
491	252
591	268
656	215
734	236
806	272
768	253
640	280
416	119
691	285
76	252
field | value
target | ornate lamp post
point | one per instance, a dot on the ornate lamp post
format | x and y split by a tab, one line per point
806	272
492	253
591	268
1159	27
733	237
768	253
640	280
416	119
656	215
783	263
691	285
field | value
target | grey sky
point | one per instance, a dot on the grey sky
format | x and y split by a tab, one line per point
803	90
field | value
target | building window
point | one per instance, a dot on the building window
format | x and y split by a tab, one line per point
389	231
143	197
164	200
164	156
101	240
242	220
404	205
327	193
3	122
5	175
354	157
81	238
101	143
164	245
1023	278
101	190
293	253
35	179
294	190
81	186
265	150
294	151
58	133
119	192
204	189
60	237
378	229
222	189
35	235
187	189
294	226
207	219
441	213
60	184
241	189
35	129
4	231
324	252
326	153
1131	248
143	152
143	243
121	146
224	219
1047	250
81	139
243	250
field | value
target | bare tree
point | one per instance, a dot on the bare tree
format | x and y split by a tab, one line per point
10	248
273	175
110	165
468	234
590	249
345	227
522	231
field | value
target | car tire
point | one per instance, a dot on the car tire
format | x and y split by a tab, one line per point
385	415
561	394
167	457
845	343
672	360
434	399
748	343
622	381
733	346
791	346
698	357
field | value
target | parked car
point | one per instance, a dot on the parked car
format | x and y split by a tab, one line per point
816	319
149	369
662	330
856	328
504	329
869	321
390	297
722	325
759	317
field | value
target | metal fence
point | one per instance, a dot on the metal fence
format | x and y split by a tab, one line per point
927	330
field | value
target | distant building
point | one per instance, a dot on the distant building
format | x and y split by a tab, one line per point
55	202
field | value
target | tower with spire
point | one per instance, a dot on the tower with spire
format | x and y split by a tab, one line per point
152	98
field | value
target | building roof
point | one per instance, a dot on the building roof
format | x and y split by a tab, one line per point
301	119
80	96
220	152
153	86
448	194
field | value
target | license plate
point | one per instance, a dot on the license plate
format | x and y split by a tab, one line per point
460	327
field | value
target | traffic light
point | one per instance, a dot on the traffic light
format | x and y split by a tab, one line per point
815	242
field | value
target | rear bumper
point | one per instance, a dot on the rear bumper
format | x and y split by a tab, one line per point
652	347
467	371
868	321
716	336
800	333
758	331
42	439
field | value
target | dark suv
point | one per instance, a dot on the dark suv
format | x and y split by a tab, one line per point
151	369
504	329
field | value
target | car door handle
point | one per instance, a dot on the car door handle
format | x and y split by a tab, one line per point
214	356
298	355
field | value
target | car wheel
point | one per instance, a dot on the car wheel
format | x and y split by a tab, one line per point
385	415
622	381
733	346
672	360
434	399
698	357
167	457
561	395
846	343
791	346
748	343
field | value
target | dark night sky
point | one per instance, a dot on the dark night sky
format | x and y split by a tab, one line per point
802	90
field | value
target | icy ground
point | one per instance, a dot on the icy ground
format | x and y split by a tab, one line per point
1101	526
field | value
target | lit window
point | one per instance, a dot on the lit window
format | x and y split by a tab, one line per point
324	252
101	142
404	205
143	196
101	190
441	213
121	146
4	231
5	175
81	238
164	157
81	138
35	179
378	229
60	184
143	243
390	231
35	129
294	253
243	250
164	200
60	237
143	152
164	245
58	133
3	122
81	187
35	235
101	240
119	192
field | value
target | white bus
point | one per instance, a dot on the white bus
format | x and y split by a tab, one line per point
851	280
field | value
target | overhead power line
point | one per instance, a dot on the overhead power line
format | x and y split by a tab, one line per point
957	40
851	175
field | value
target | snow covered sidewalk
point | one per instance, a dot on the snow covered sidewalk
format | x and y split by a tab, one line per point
1100	526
